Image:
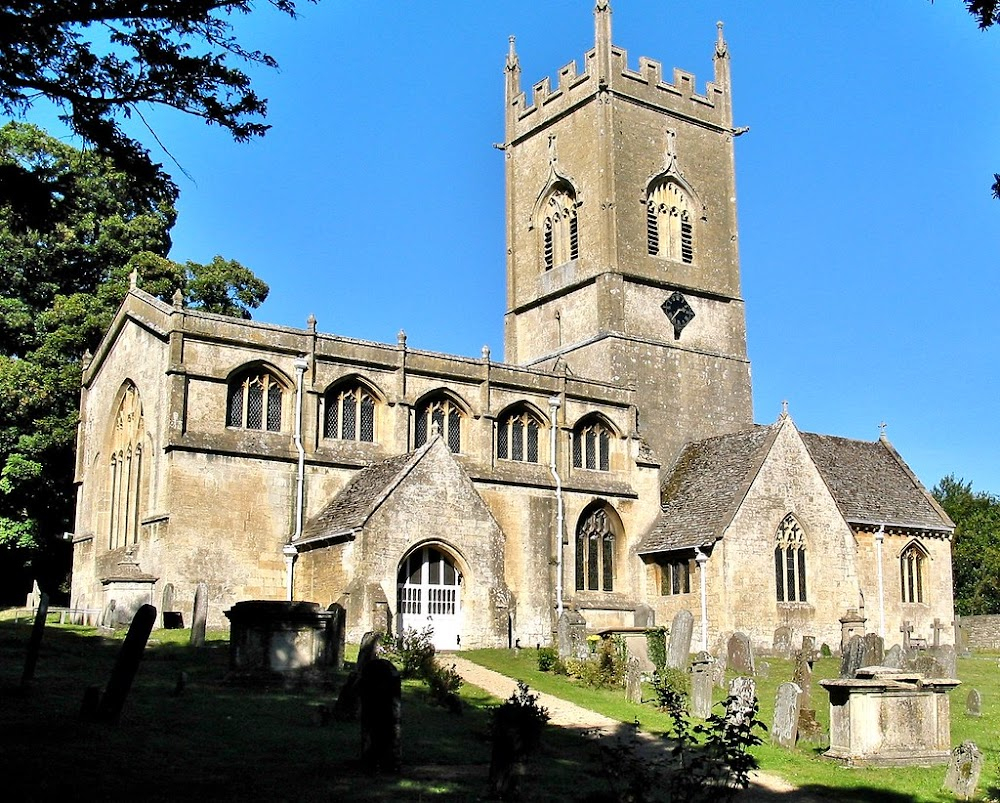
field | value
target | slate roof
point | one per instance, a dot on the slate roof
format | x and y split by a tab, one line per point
351	508
705	487
872	484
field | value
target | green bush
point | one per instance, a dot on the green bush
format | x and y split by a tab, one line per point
547	658
671	687
416	653
656	647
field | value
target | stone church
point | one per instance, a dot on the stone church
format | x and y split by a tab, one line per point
609	465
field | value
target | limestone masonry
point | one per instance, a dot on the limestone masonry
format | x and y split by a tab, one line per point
609	466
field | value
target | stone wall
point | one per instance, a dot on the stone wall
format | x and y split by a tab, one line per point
979	632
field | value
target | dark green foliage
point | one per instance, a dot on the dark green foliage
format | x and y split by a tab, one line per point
976	548
522	714
656	647
671	687
547	657
605	669
414	654
102	61
824	650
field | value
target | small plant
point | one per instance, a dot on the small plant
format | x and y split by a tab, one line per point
516	730
825	650
671	687
444	683
656	647
547	659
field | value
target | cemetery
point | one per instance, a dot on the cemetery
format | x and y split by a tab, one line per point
154	713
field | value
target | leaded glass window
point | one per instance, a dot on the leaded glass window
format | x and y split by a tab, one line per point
592	446
912	563
255	402
441	415
350	413
517	437
790	561
126	470
595	552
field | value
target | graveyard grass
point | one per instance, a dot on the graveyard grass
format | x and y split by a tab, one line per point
223	742
803	766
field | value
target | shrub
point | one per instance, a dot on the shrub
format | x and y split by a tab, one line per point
671	687
547	658
444	683
656	647
416	653
516	730
825	650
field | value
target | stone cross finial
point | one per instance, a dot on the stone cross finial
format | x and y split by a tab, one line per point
133	279
784	408
906	629
881	430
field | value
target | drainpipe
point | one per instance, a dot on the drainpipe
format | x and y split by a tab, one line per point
701	559
553	409
290	551
879	537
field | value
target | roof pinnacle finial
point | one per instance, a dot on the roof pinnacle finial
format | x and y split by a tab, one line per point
511	54
602	39
721	48
881	431
784	408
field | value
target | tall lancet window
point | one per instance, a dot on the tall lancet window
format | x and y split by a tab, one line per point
912	562
595	550
560	228
790	561
669	222
126	470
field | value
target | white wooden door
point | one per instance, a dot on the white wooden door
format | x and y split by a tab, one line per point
428	593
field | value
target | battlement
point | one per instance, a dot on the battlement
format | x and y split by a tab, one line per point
606	70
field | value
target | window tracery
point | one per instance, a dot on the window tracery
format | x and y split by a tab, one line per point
592	446
127	469
443	413
669	222
255	402
560	227
349	413
517	437
912	564
790	561
595	550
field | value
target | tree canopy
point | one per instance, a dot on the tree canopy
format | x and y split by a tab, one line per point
102	61
64	274
976	549
987	14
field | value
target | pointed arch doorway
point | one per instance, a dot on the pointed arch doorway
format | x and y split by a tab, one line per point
428	592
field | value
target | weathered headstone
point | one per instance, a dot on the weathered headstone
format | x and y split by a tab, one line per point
644	616
852	658
381	716
338	642
126	664
786	715
701	686
571	633
964	769
742	702
199	616
937	627
172	618
782	644
874	650
108	616
945	661
740	654
633	681
763	670
348	705
894	657
809	645
802	677
35	640
679	650
974	704
718	673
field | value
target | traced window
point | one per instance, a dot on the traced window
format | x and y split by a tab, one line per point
442	414
595	551
675	575
912	563
560	229
517	436
669	222
255	402
592	446
126	470
790	561
349	413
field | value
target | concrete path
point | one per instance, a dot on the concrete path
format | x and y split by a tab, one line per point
765	788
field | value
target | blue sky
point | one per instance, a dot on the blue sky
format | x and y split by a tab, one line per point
868	235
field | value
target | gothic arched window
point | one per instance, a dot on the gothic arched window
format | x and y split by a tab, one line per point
592	445
517	436
255	402
669	222
127	477
595	551
349	412
560	227
444	413
790	561
912	564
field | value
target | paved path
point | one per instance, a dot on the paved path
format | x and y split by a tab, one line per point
765	788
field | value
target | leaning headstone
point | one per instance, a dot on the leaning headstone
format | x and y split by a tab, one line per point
964	769
852	658
126	665
35	640
782	644
894	657
338	641
701	686
679	649
644	616
571	634
199	616
633	681
740	654
786	715
874	650
974	704
742	702
381	710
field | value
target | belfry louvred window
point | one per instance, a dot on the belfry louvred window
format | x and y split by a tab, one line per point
669	222
349	413
255	401
790	561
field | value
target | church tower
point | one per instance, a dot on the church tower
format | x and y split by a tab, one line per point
622	250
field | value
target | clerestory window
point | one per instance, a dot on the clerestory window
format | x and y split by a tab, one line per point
592	446
517	437
790	561
255	401
669	222
349	413
442	414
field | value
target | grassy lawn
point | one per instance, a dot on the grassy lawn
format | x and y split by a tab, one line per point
802	766
216	741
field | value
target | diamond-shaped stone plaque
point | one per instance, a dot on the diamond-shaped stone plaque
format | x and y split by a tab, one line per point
679	312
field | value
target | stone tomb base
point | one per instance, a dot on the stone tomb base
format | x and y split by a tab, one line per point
887	718
271	640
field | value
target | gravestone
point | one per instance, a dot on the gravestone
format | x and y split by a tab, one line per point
742	701
763	670
739	654
172	618
802	677
974	704
381	716
809	645
784	729
701	686
571	634
945	659
35	640
338	642
108	617
633	681
644	616
348	705
964	770
852	658
126	665
937	627
907	630
679	650
718	673
894	657
874	650
199	616
782	644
